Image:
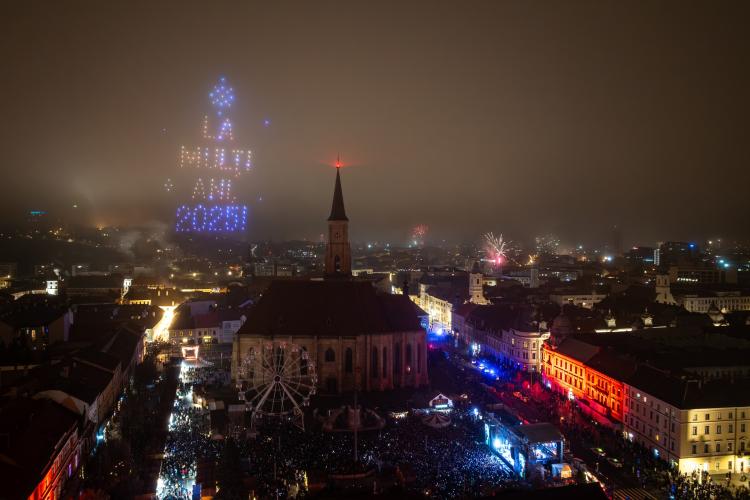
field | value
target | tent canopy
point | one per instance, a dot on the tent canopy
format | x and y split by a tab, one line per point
437	420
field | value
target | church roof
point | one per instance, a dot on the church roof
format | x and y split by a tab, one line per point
337	208
329	308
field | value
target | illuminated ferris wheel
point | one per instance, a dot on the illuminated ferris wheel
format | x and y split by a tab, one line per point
277	381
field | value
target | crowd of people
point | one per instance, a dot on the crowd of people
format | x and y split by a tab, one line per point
186	430
446	463
693	486
642	467
281	458
189	438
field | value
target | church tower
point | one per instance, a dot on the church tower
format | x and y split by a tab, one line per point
338	251
476	285
662	289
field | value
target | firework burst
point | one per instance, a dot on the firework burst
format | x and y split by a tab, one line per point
496	248
418	234
419	231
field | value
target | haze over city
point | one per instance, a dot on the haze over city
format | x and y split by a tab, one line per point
495	116
388	249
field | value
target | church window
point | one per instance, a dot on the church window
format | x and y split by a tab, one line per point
348	361
330	355
303	361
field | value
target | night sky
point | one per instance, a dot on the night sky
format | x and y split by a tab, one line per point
515	117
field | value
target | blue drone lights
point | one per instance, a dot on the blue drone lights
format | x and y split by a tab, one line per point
211	219
213	207
222	96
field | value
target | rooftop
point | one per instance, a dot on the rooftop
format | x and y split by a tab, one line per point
329	308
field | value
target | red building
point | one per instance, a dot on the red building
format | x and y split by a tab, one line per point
590	374
40	448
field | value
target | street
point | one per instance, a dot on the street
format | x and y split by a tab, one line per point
532	402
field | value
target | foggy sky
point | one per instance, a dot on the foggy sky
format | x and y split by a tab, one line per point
513	117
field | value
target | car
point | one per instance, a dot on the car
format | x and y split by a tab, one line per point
599	452
614	462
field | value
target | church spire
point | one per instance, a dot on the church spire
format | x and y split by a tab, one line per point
338	251
337	208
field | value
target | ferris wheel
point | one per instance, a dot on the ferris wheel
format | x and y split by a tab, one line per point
277	381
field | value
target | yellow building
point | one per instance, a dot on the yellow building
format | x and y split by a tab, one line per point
697	426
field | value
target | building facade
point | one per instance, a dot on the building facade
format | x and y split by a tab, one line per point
669	418
586	300
354	336
724	301
695	425
508	334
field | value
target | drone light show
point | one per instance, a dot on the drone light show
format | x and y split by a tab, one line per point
213	208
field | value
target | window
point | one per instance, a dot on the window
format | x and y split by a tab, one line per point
705	448
408	357
385	362
330	355
708	417
348	360
729	446
742	446
718	429
695	417
303	361
742	427
695	430
374	363
695	449
730	429
705	430
718	447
